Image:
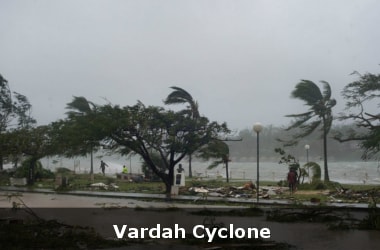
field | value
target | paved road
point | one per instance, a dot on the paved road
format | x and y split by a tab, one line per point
303	235
162	197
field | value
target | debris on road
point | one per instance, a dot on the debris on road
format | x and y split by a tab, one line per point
248	190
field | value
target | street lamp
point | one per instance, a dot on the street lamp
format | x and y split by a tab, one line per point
307	147
257	127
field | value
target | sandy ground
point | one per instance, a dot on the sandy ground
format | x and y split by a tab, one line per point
89	211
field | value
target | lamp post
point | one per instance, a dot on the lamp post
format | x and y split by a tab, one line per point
257	127
307	147
130	164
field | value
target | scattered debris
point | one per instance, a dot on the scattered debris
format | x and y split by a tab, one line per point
109	205
114	187
202	191
199	190
315	200
342	194
248	190
249	186
99	185
333	199
102	186
130	177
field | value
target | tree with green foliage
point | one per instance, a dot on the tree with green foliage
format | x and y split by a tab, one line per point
23	111
40	172
36	143
315	169
146	131
181	96
303	171
361	98
6	107
18	136
15	113
81	117
147	171
290	161
217	150
319	114
80	106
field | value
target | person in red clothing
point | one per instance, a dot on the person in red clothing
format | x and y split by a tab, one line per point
292	180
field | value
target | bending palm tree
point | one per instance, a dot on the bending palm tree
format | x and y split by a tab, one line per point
80	106
319	113
218	150
180	96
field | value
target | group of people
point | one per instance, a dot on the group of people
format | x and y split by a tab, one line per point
103	166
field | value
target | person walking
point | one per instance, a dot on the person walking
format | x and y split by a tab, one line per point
103	166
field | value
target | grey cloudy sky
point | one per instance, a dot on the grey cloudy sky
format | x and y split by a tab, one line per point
239	59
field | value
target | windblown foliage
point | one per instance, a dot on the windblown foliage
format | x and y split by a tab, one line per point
319	114
145	131
361	97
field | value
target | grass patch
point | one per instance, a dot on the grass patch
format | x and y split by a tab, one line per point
319	191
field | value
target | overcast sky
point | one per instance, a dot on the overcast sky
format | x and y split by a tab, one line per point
239	59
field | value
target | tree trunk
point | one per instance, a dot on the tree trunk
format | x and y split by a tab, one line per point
327	178
168	190
32	165
227	176
168	180
1	162
190	170
15	165
92	161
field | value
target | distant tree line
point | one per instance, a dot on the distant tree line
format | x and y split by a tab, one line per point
245	150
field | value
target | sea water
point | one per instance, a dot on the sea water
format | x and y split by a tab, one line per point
359	172
343	172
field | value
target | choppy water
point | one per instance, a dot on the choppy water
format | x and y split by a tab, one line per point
343	172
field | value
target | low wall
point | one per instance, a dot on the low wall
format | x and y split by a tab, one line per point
18	181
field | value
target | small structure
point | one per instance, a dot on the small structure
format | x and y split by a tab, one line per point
179	177
61	181
179	180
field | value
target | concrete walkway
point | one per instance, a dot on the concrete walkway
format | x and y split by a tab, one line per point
193	198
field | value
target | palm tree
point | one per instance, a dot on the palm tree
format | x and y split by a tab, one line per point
319	113
181	96
217	150
80	106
